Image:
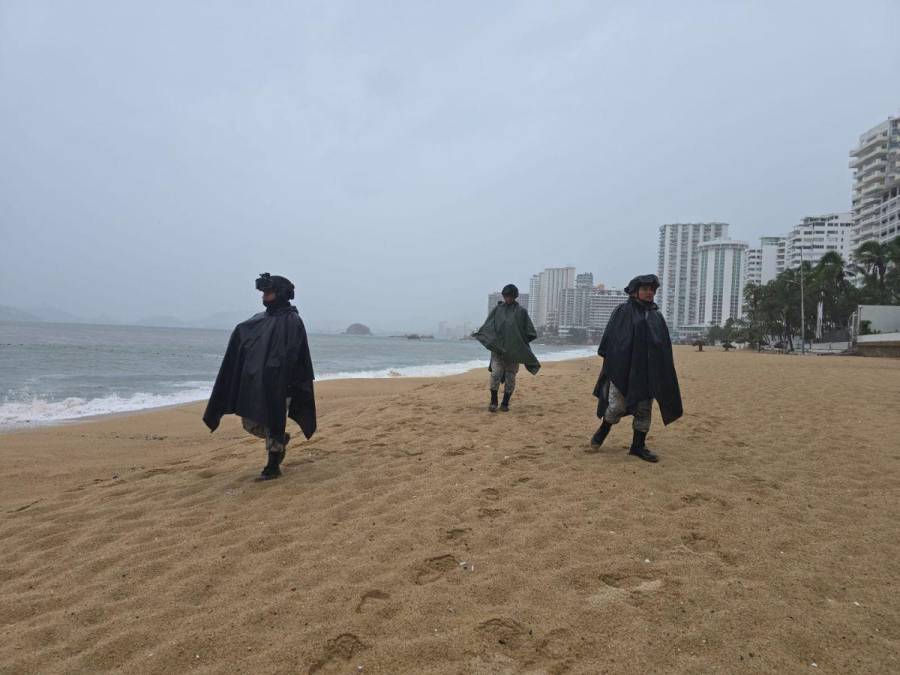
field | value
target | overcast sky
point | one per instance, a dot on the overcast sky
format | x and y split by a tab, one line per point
399	160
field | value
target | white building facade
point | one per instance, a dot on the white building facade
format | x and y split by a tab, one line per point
774	257
890	213
603	302
723	273
876	172
817	235
679	270
588	308
754	266
544	294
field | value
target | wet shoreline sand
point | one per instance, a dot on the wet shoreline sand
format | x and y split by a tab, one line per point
419	533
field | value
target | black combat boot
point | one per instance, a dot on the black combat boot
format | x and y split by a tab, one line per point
493	406
601	434
272	469
638	449
504	406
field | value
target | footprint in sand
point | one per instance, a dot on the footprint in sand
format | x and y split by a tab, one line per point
503	631
407	452
621	587
337	653
491	493
490	513
434	568
457	533
368	597
701	498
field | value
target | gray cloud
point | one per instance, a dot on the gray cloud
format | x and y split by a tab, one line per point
397	161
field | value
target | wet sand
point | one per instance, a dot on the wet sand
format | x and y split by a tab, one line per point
419	533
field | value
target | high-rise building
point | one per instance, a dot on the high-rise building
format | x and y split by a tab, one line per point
545	288
574	308
679	269
816	235
754	265
584	280
603	302
890	213
876	173
588	309
773	257
723	270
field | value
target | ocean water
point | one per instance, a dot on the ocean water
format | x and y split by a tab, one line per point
50	373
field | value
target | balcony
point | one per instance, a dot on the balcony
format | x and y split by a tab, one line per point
869	177
865	146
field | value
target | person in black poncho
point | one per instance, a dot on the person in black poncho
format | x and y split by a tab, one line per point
267	374
507	333
638	367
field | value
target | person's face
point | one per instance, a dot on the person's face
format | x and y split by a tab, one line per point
268	296
646	293
508	299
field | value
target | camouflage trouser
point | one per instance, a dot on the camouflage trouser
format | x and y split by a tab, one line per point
505	371
616	408
261	431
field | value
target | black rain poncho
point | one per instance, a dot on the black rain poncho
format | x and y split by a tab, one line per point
637	358
507	332
266	362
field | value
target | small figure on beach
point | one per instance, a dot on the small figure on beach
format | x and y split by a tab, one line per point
267	374
637	367
507	332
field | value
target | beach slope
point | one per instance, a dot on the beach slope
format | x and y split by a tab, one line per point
419	533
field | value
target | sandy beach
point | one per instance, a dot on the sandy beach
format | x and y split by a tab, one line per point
418	533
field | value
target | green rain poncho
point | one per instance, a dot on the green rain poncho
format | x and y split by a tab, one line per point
507	332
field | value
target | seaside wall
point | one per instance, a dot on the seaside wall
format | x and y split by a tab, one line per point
883	344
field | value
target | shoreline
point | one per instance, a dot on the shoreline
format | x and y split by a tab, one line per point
333	377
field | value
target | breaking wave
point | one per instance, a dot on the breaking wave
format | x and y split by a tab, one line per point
39	412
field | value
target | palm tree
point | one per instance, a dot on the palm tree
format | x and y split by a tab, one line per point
831	285
892	276
872	257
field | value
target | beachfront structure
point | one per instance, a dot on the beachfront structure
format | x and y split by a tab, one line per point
588	309
754	266
890	213
679	270
817	235
574	308
603	302
544	291
584	280
876	175
723	274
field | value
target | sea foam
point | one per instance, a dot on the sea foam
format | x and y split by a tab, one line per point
40	412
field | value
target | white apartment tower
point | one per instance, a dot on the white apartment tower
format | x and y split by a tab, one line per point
754	266
603	302
545	293
588	308
723	270
774	257
679	269
876	175
817	235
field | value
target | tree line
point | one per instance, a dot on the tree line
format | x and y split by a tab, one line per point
772	315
